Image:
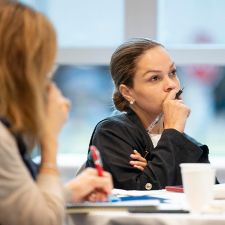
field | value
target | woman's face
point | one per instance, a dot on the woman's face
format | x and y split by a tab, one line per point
155	77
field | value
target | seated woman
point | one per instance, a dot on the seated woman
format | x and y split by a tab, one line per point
152	122
32	111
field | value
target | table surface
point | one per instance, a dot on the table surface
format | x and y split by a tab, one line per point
177	200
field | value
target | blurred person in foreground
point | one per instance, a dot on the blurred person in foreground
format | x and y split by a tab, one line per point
32	112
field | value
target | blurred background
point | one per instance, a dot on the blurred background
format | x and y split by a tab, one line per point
88	31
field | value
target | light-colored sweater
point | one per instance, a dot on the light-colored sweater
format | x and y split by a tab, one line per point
22	200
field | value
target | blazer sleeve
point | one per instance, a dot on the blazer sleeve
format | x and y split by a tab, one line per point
24	201
172	149
116	144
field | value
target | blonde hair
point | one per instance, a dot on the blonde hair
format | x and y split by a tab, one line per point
27	52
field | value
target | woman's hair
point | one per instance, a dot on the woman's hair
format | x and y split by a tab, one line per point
27	53
123	66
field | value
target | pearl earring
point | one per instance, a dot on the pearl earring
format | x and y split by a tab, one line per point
132	102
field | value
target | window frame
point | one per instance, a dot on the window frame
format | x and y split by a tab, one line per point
141	21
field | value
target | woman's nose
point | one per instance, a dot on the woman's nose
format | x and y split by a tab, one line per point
171	83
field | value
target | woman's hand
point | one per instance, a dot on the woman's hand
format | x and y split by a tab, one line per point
175	112
138	161
89	186
57	108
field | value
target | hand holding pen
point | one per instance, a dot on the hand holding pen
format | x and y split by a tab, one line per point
87	186
159	117
98	194
175	112
91	184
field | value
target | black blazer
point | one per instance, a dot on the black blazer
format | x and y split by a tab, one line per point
116	137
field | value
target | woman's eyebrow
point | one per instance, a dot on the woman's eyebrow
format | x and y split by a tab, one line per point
157	71
151	71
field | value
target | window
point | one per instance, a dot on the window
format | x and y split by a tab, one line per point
204	93
191	31
89	31
86	23
191	22
89	89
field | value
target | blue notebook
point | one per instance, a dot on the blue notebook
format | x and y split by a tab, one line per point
136	198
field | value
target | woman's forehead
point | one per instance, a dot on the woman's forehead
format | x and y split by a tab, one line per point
155	59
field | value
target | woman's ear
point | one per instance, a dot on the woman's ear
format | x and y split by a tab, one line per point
126	92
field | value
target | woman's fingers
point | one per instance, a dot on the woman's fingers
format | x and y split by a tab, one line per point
138	163
139	167
102	182
96	188
137	156
97	196
175	113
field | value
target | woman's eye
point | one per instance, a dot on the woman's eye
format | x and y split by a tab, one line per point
173	72
155	78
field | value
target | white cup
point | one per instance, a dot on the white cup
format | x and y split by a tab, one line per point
198	181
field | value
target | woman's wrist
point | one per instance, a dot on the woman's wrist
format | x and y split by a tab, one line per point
48	149
49	168
48	156
49	141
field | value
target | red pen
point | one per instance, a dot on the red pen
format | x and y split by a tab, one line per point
97	160
98	165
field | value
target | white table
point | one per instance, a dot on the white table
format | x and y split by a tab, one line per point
126	218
